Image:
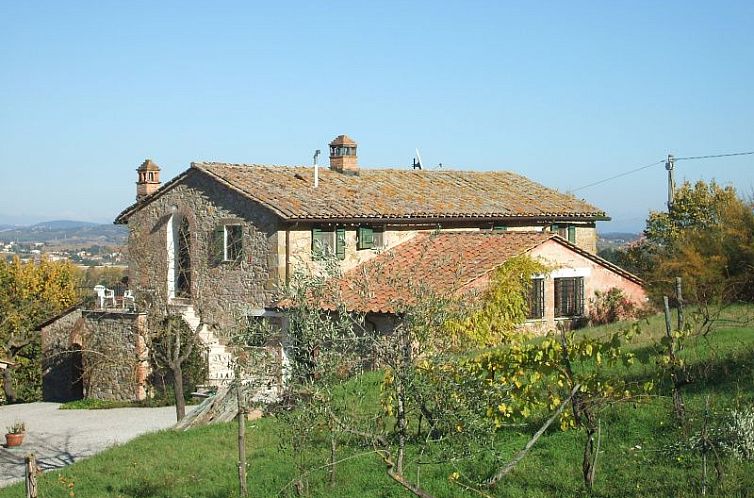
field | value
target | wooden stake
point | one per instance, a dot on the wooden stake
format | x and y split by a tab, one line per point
679	298
241	439
31	476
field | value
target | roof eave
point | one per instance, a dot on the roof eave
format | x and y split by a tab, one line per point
122	218
597	259
430	218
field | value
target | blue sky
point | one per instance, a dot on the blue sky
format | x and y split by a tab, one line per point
566	93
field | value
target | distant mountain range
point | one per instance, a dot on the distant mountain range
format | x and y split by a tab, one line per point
65	232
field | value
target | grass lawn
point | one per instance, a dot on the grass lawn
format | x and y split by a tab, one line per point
202	462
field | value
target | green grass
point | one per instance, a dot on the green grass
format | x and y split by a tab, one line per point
107	404
202	462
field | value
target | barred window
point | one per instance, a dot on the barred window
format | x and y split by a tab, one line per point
536	298
227	243
569	297
233	242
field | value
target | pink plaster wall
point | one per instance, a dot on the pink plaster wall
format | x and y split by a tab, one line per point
558	256
599	277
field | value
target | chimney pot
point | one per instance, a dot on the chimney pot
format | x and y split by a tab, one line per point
148	179
343	157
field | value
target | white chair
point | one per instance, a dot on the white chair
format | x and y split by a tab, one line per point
110	295
99	290
128	295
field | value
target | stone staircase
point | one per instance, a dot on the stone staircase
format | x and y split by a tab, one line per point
218	357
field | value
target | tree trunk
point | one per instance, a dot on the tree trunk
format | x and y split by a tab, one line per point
589	458
400	396
180	401
10	393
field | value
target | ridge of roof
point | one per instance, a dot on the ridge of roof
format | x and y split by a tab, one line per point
390	194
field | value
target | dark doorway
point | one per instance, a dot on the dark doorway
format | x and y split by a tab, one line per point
183	261
77	372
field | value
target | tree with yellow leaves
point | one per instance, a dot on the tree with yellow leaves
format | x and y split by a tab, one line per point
29	294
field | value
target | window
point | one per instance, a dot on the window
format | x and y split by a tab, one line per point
365	238
499	228
569	297
326	243
568	232
536	299
227	243
340	243
323	243
369	238
233	242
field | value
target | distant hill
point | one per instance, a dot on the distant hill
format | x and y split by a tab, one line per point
66	232
62	225
615	240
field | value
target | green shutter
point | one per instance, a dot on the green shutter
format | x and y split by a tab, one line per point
554	228
572	234
499	228
316	249
217	245
366	238
340	243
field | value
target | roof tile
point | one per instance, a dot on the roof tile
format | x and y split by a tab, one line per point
391	193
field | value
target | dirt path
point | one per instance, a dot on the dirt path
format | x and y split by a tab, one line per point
61	437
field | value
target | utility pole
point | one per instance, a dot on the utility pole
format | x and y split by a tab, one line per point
669	164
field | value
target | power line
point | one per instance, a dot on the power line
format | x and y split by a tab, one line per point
714	156
689	158
618	175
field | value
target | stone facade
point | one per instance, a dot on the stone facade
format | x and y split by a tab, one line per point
95	354
218	290
115	356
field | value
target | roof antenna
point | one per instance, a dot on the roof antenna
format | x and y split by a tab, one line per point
316	169
417	160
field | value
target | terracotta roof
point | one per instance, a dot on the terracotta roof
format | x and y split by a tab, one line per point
444	263
148	165
395	193
343	140
441	263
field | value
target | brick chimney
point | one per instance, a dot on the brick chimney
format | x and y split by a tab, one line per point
343	155
148	179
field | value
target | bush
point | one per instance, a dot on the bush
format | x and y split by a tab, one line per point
732	435
738	432
610	306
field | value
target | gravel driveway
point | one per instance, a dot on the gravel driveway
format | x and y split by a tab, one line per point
61	437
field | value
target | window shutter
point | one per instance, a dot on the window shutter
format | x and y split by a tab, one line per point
366	238
579	296
572	234
500	228
554	228
316	245
217	245
340	243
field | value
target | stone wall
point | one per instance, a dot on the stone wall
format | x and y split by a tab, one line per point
95	354
61	358
115	356
219	291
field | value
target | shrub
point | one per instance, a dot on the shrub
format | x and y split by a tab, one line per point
610	306
738	431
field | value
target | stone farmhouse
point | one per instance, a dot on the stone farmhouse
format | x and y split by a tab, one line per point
219	239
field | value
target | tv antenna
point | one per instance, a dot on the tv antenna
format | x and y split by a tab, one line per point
417	160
